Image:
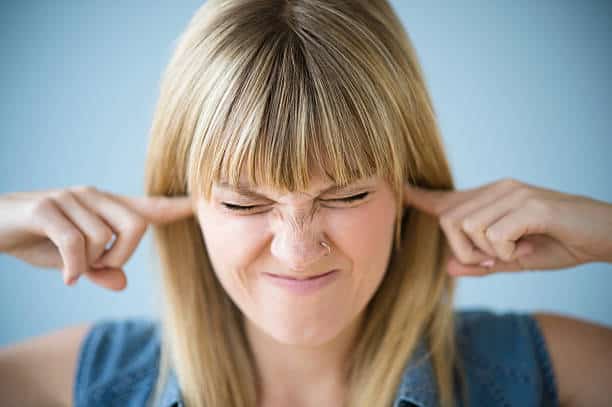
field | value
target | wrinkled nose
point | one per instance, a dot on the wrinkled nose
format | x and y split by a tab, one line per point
298	244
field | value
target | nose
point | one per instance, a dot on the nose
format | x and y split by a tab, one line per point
297	242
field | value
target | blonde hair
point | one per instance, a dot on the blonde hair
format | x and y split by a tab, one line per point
271	88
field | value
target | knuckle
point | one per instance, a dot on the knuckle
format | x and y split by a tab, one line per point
42	206
62	195
541	207
102	236
122	252
525	193
84	189
493	235
135	226
469	225
447	220
132	226
510	182
72	240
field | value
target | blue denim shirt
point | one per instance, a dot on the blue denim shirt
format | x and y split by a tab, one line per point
505	358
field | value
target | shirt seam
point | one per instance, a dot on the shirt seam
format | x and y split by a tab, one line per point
84	360
550	381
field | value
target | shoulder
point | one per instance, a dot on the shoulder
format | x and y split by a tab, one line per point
117	361
505	358
20	367
578	347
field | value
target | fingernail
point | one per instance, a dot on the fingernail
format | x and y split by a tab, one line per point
487	263
70	280
97	265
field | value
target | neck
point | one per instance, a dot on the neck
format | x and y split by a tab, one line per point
289	373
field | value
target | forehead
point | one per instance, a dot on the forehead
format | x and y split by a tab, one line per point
318	186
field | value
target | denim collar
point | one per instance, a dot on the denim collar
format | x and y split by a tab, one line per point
171	396
417	388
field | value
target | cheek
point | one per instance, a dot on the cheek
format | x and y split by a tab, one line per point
229	240
365	234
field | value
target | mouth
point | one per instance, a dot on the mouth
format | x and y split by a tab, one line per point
302	285
300	278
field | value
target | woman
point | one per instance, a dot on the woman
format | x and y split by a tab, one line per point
297	182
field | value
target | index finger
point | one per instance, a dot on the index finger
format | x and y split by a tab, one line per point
159	209
431	201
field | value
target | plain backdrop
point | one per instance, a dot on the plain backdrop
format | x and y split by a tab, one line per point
522	89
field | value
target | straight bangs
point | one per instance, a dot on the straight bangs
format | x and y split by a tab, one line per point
284	107
270	93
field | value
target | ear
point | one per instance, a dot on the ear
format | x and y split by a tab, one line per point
406	212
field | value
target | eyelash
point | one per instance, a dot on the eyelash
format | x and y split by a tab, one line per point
239	208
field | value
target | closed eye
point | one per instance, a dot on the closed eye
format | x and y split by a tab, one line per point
238	207
242	208
351	198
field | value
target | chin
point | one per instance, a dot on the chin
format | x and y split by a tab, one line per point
291	330
306	336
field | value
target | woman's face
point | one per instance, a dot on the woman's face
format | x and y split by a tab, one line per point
281	235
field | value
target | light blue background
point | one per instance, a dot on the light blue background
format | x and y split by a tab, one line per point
522	89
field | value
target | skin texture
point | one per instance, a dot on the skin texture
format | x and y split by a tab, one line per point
504	226
304	340
300	341
519	227
40	371
581	353
515	226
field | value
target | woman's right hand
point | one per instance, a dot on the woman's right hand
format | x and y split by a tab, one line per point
69	229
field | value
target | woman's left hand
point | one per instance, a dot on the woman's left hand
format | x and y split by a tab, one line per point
509	225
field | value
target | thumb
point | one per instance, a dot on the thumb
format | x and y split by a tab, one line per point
107	277
523	248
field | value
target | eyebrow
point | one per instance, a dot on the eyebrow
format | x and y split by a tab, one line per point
244	189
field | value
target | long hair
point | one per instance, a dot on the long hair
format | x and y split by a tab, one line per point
271	88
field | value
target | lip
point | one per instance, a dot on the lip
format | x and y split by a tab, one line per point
303	286
298	278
